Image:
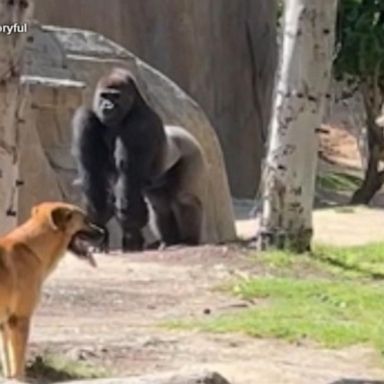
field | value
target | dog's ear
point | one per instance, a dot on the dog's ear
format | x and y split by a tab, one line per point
59	218
34	210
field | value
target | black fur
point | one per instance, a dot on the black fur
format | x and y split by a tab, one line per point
138	155
92	152
123	142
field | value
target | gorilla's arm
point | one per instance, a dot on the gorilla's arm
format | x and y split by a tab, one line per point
95	164
91	146
128	191
131	208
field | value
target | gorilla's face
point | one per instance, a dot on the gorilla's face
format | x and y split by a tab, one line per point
113	102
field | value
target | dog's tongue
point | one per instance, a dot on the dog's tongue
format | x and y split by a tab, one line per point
91	259
88	257
81	250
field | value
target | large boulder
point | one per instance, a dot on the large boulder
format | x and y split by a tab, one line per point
62	67
222	52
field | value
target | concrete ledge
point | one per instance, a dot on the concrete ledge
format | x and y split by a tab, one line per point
51	82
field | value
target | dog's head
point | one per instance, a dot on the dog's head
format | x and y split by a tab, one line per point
73	222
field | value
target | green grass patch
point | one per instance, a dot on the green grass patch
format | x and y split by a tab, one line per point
343	262
283	263
338	182
51	368
339	303
333	314
278	259
363	260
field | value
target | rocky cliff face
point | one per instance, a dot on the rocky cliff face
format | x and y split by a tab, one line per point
222	52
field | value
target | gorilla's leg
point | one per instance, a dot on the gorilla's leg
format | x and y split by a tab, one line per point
186	204
132	240
178	211
132	237
131	208
188	211
132	215
165	219
104	247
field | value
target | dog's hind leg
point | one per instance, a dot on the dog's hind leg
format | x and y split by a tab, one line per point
5	349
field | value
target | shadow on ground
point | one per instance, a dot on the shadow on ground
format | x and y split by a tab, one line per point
44	370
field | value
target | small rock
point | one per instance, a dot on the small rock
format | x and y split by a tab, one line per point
207	311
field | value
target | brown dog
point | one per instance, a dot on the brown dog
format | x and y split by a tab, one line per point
27	256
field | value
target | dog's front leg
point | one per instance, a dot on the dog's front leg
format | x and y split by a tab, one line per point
5	349
18	337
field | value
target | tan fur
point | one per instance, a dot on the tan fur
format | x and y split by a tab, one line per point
27	255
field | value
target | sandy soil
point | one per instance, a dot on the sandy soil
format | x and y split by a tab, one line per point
110	316
338	226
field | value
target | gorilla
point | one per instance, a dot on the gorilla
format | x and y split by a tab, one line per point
126	157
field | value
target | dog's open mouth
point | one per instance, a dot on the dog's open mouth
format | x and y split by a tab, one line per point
82	247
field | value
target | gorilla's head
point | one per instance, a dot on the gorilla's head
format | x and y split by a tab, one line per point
115	96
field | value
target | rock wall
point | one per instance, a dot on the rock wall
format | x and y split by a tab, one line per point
59	62
222	52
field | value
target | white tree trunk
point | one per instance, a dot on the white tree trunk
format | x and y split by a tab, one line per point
289	177
11	48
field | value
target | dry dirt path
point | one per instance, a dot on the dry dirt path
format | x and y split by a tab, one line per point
337	226
110	316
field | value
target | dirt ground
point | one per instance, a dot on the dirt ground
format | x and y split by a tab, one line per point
342	227
110	316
